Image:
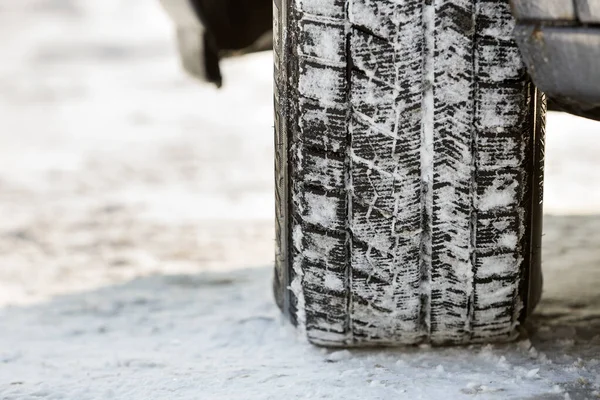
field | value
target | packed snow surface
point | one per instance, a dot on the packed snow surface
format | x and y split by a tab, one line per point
136	235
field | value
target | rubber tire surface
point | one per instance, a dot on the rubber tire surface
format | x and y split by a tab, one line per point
408	171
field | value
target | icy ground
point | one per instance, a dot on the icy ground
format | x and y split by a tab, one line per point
136	235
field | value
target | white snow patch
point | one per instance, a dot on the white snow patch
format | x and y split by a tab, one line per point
508	240
533	373
498	265
496	197
318	83
325	43
334	282
320	209
341	355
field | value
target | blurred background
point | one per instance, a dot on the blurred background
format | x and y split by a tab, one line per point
115	166
114	163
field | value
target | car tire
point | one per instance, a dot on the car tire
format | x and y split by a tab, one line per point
409	169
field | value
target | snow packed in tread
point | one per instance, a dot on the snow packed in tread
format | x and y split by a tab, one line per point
395	240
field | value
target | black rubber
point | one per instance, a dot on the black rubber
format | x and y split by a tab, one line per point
234	24
208	30
409	168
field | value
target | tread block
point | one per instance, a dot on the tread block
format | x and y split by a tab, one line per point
499	59
325	41
322	209
325	311
323	127
393	194
329	281
326	251
380	17
501	266
496	232
499	109
325	84
327	8
375	101
494	294
499	149
371	55
389	152
324	170
383	232
499	190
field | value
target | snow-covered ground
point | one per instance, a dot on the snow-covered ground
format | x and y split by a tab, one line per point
136	235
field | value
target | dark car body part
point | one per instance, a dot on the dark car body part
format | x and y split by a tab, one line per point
560	43
233	27
235	24
208	30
